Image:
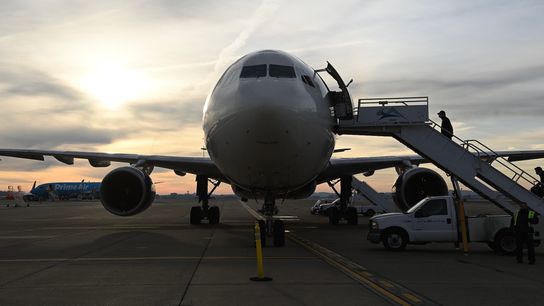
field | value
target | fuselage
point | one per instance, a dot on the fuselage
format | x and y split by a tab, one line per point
268	125
64	190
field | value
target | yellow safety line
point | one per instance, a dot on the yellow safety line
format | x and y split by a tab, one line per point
252	211
412	297
356	275
362	276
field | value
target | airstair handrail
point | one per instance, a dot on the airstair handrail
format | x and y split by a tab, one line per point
477	145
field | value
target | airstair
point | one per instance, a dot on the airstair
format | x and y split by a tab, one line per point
382	203
473	163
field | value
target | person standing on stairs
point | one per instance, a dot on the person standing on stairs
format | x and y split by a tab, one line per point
538	189
446	128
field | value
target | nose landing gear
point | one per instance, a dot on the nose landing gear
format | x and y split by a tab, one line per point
272	228
205	212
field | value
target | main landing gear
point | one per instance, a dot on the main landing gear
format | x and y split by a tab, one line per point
205	212
342	210
269	226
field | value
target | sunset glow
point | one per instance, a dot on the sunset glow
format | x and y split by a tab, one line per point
132	76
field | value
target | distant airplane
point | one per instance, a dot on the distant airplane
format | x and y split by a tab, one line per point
270	135
63	191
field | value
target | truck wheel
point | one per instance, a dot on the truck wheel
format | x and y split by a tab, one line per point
492	246
505	242
333	215
395	240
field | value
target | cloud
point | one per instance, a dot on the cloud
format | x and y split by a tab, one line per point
167	115
20	82
49	138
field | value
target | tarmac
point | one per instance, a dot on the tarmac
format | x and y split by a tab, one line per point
76	253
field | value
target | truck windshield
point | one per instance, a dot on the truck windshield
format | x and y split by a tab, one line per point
417	206
436	207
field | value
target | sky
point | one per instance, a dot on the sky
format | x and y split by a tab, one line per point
132	76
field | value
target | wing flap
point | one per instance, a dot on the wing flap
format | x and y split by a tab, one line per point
64	159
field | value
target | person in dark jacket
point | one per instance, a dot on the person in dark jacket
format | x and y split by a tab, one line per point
540	173
521	224
446	128
538	189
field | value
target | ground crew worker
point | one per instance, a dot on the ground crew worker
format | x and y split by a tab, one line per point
521	223
538	189
446	128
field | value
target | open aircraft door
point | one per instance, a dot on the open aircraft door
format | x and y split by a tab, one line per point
340	100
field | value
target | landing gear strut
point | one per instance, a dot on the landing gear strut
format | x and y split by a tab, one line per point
343	211
203	212
272	228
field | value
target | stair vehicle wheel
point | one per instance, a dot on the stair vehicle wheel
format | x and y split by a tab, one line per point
213	215
333	214
351	216
279	233
196	215
505	242
370	213
395	240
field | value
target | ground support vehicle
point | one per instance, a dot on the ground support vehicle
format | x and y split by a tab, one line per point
434	219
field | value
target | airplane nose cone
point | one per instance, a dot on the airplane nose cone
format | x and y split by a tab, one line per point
271	144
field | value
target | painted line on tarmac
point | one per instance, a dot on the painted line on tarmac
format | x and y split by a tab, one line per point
387	289
159	258
255	214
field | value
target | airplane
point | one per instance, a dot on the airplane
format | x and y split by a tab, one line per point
63	190
270	135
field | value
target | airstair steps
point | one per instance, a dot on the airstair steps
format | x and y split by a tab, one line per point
379	200
470	161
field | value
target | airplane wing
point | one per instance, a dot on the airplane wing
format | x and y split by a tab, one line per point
181	165
349	166
204	166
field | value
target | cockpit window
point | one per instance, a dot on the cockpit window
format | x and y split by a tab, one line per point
280	71
255	71
306	79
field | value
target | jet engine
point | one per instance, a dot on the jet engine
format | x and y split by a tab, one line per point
127	191
416	184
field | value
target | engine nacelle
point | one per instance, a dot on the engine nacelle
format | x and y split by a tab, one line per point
416	184
127	191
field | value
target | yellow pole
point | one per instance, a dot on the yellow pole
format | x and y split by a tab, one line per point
461	213
259	250
463	224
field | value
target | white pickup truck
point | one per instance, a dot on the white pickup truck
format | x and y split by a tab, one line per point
434	219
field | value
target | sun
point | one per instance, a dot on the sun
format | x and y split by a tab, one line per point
113	85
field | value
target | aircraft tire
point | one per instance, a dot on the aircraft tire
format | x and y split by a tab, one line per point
196	215
262	227
351	216
279	233
333	215
214	214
